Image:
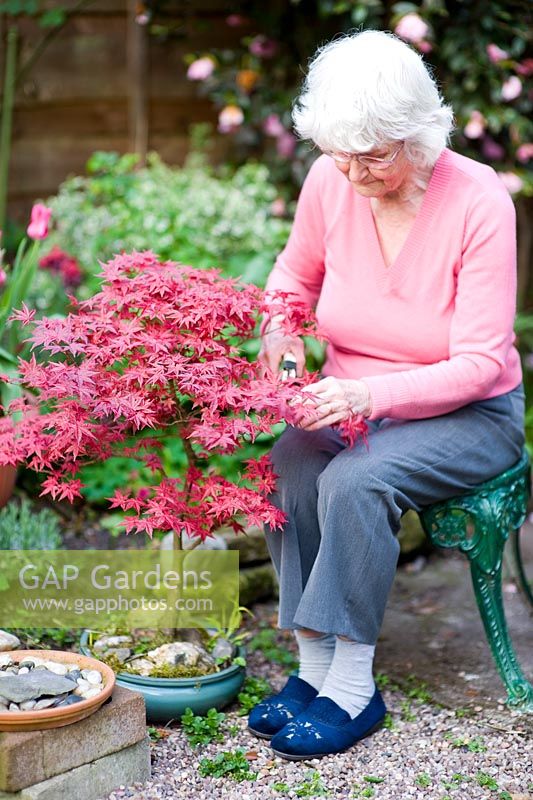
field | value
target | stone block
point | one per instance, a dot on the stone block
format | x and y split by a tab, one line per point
93	781
251	545
30	757
257	583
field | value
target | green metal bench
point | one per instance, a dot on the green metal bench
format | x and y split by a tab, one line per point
479	523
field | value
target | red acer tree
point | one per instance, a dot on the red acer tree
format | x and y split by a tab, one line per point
155	354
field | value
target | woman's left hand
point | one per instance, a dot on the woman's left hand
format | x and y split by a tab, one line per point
334	399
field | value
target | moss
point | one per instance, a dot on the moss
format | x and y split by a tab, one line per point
164	671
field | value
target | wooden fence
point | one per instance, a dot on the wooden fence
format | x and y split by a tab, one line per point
104	83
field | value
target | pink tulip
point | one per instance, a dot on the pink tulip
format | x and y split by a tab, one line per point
412	28
272	126
511	88
3	276
286	144
201	69
40	217
525	152
513	183
262	47
230	118
475	126
496	54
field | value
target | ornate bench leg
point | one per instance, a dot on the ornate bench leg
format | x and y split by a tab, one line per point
518	564
486	570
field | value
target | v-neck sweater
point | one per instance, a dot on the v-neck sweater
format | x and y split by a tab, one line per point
434	330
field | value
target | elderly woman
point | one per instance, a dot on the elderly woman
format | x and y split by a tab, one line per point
407	249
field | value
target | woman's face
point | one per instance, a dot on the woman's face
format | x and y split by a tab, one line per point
377	181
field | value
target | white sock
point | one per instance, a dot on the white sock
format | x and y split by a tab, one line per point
349	681
316	654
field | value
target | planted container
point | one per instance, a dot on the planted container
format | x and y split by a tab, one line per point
167	698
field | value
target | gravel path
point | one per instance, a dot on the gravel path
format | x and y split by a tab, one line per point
429	752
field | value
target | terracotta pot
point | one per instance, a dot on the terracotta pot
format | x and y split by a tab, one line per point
57	717
8	476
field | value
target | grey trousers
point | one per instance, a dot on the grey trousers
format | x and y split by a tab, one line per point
336	556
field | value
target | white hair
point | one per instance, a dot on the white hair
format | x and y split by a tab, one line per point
370	88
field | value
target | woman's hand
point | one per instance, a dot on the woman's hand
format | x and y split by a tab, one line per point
275	343
334	399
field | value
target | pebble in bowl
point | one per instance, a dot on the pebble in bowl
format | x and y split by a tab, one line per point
50	688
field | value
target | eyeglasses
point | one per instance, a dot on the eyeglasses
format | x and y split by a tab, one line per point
367	161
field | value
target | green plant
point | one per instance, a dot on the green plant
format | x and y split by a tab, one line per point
46	638
416	689
486	781
463	712
156	734
193	214
253	691
265	640
203	729
359	791
373	779
23	528
231	764
384	682
388	722
474	745
407	713
505	796
311	786
423	780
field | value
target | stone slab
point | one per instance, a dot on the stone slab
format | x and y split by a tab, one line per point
30	757
93	781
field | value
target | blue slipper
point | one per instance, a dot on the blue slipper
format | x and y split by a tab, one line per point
325	728
274	712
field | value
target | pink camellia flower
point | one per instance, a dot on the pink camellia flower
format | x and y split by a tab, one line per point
491	149
412	28
142	19
496	54
236	20
511	88
424	46
475	126
3	276
273	126
286	144
278	207
201	69
40	217
512	182
525	152
230	118
525	67
262	47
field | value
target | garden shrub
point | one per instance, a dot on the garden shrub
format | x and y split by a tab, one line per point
23	528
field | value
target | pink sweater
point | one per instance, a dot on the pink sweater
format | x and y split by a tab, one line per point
433	331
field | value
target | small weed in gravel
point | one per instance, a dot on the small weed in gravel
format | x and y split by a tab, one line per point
265	640
486	781
202	729
423	780
230	763
474	744
253	691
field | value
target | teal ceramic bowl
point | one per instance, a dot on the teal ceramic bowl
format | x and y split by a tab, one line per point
167	698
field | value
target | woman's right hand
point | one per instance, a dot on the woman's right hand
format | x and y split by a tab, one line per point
275	343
